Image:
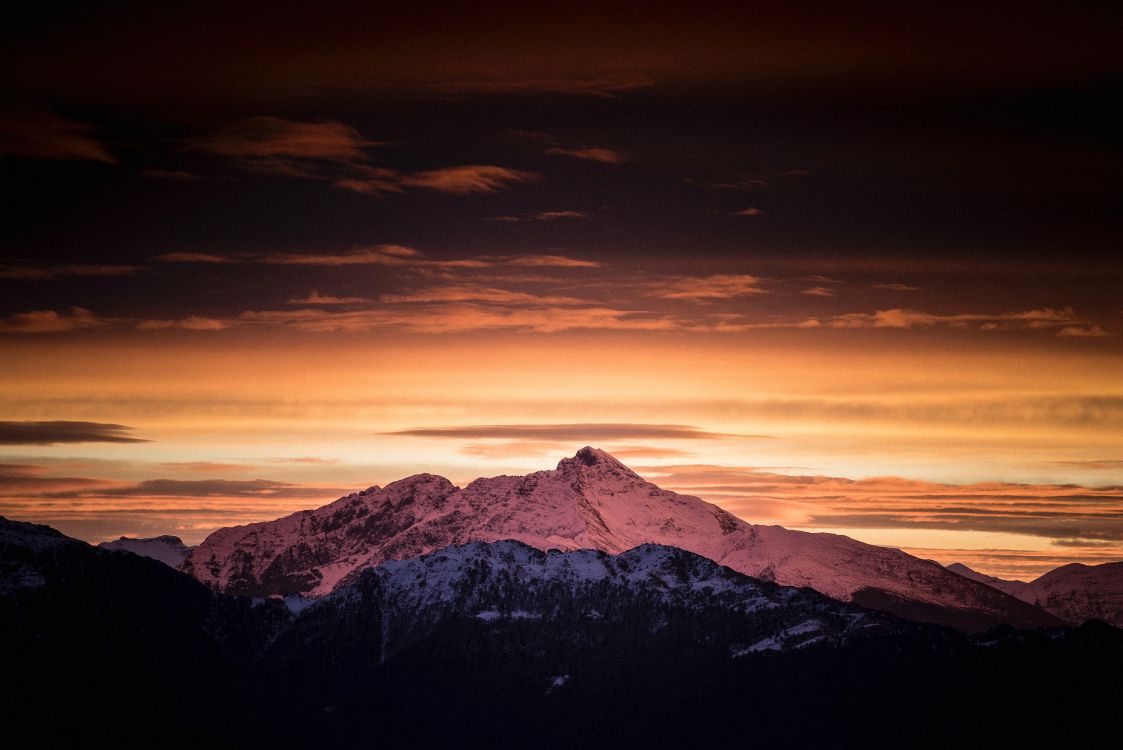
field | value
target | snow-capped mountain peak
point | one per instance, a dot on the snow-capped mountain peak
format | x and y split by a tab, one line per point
590	501
169	550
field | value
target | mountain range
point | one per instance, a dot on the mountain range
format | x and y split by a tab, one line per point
1073	592
500	643
590	501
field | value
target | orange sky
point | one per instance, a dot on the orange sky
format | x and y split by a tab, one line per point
248	428
838	267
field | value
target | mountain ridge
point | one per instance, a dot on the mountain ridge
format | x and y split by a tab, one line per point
1074	592
590	500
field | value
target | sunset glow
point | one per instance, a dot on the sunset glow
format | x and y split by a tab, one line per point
762	270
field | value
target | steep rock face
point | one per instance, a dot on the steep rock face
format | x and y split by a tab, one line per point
1074	593
591	501
169	550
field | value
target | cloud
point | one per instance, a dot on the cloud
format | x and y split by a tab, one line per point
53	433
472	178
190	323
479	294
207	488
21	272
383	255
376	255
203	467
463	318
742	183
1082	332
50	321
750	211
570	149
589	153
545	261
274	145
904	318
40	134
818	291
605	86
315	298
542	216
461	180
194	258
574	433
1106	463
897	287
717	286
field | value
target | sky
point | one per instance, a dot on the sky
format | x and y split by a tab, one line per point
850	269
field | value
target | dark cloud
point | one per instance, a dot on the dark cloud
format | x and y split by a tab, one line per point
32	272
53	433
41	134
50	321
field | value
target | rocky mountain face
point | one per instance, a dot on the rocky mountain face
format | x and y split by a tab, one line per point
590	501
169	550
1074	593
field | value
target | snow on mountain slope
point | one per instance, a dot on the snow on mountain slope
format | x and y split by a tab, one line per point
1074	593
591	501
169	550
508	581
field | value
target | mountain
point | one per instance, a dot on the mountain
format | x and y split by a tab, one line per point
1018	589
501	644
509	580
169	550
1074	593
590	501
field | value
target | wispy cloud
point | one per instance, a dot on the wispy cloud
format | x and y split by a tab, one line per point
288	147
195	258
53	433
315	298
34	272
578	432
698	288
41	134
542	216
590	153
904	318
469	293
460	180
1085	332
338	153
605	86
50	321
751	211
190	323
1105	464
463	318
571	149
818	291
383	255
898	287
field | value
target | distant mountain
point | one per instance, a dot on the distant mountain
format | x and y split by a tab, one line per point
591	501
1074	593
169	550
501	644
